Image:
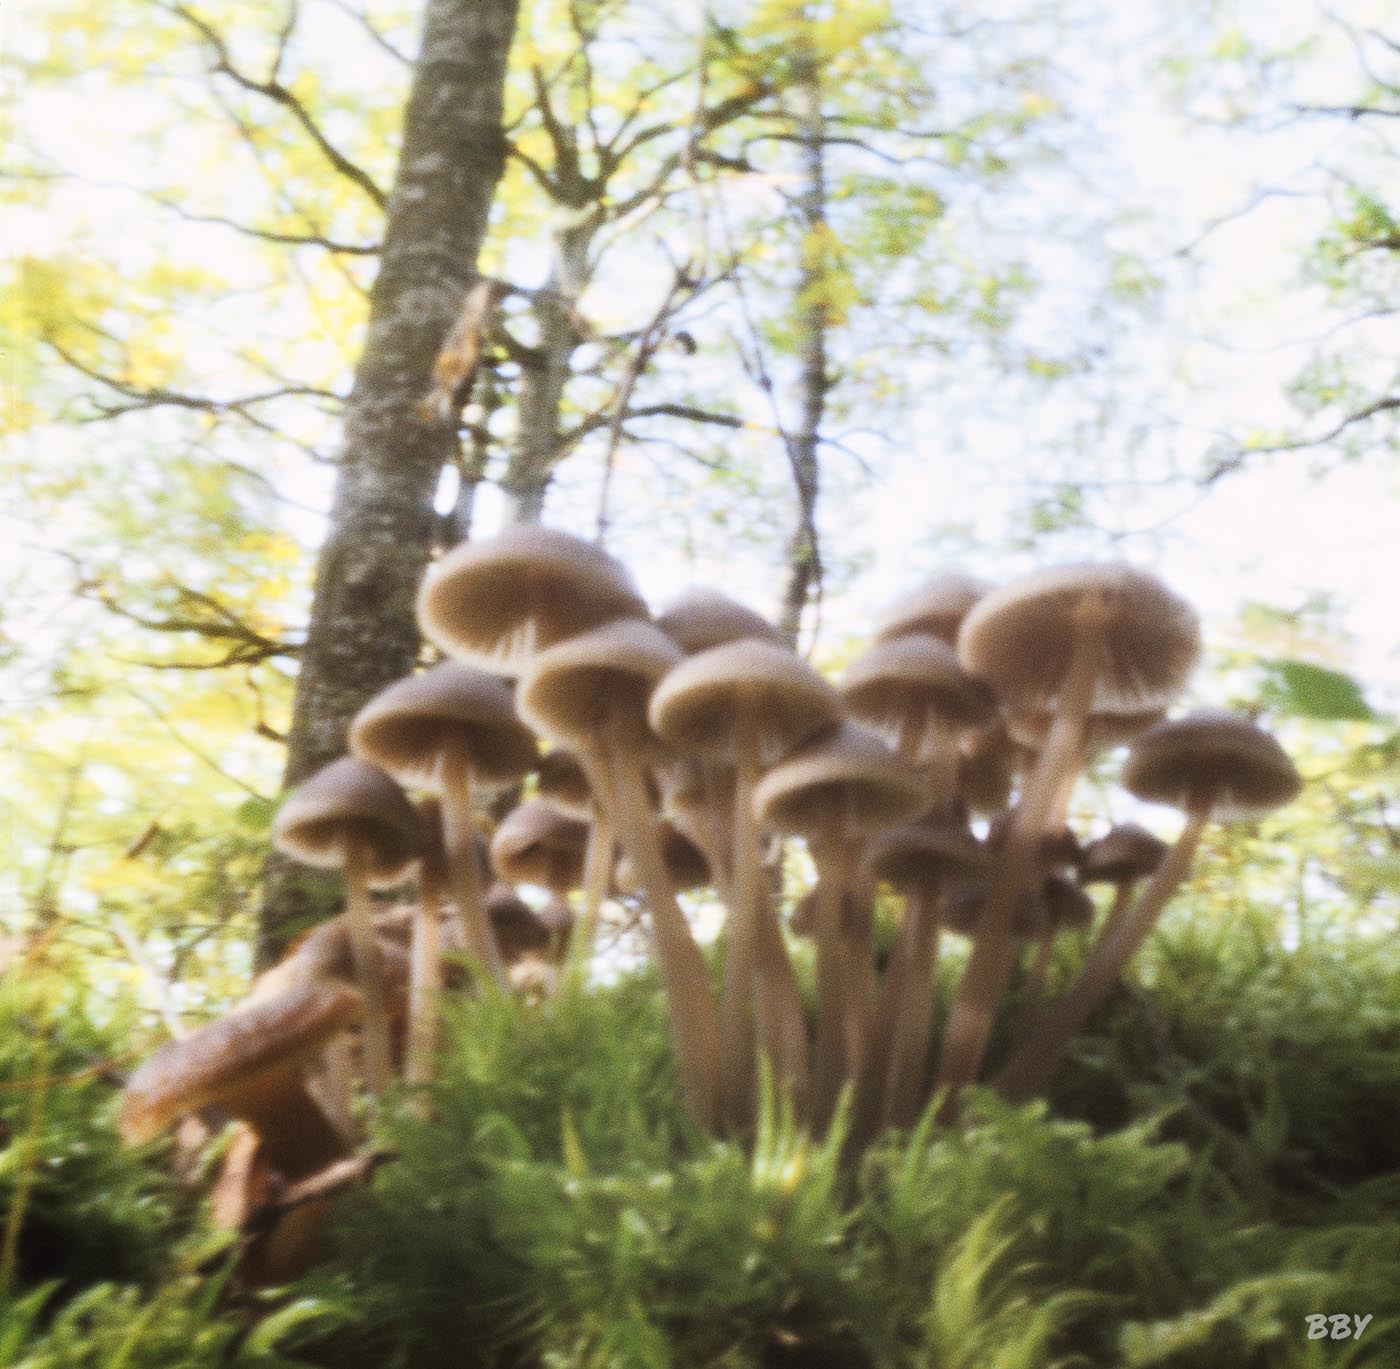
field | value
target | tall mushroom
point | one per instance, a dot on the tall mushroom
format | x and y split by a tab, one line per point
451	729
1077	640
1216	767
351	816
746	703
591	694
836	791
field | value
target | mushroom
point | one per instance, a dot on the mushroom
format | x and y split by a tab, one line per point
1067	907
1122	857
1078	640
836	791
591	694
497	603
353	817
936	608
250	1063
988	763
913	691
452	729
746	703
1217	767
560	778
916	860
519	932
685	862
539	843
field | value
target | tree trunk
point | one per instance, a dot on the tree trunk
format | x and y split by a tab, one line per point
804	560
362	633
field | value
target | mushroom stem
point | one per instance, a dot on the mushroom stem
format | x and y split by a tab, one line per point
834	1044
759	956
1034	1002
597	870
993	954
1033	1066
695	1030
459	844
369	974
908	1009
425	974
737	1016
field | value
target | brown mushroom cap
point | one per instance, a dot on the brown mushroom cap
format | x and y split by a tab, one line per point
496	603
936	608
1057	849
846	780
1066	904
909	857
517	930
987	770
1125	853
350	799
237	1060
1020	639
705	618
538	843
405	728
324	954
1103	730
570	691
903	675
696	707
559	777
1214	759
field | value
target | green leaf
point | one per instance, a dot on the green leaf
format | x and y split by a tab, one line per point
1314	691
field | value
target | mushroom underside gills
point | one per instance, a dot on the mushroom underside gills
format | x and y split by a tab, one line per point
364	952
1032	1067
459	845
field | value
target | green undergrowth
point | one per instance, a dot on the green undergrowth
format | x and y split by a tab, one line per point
1219	1161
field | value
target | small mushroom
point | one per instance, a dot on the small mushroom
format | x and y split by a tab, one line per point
1217	767
452	729
560	778
539	843
915	693
353	817
705	618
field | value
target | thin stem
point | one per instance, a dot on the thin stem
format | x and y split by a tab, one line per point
737	1013
832	1045
910	1010
459	843
1035	1062
425	974
695	1032
369	972
597	869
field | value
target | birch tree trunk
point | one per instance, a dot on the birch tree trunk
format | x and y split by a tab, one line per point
362	632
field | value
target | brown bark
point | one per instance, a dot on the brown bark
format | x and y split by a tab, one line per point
362	633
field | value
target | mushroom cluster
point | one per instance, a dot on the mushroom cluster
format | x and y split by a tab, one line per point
683	749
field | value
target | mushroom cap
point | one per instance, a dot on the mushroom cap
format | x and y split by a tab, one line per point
696	707
237	1057
897	678
847	782
497	602
538	843
1104	730
570	692
517	930
1057	849
987	770
936	608
1066	904
350	800
324	954
1125	853
1212	758
559	778
557	916
1020	638
685	862
704	618
405	728
918	853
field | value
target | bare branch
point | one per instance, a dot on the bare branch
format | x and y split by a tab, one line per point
1226	465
